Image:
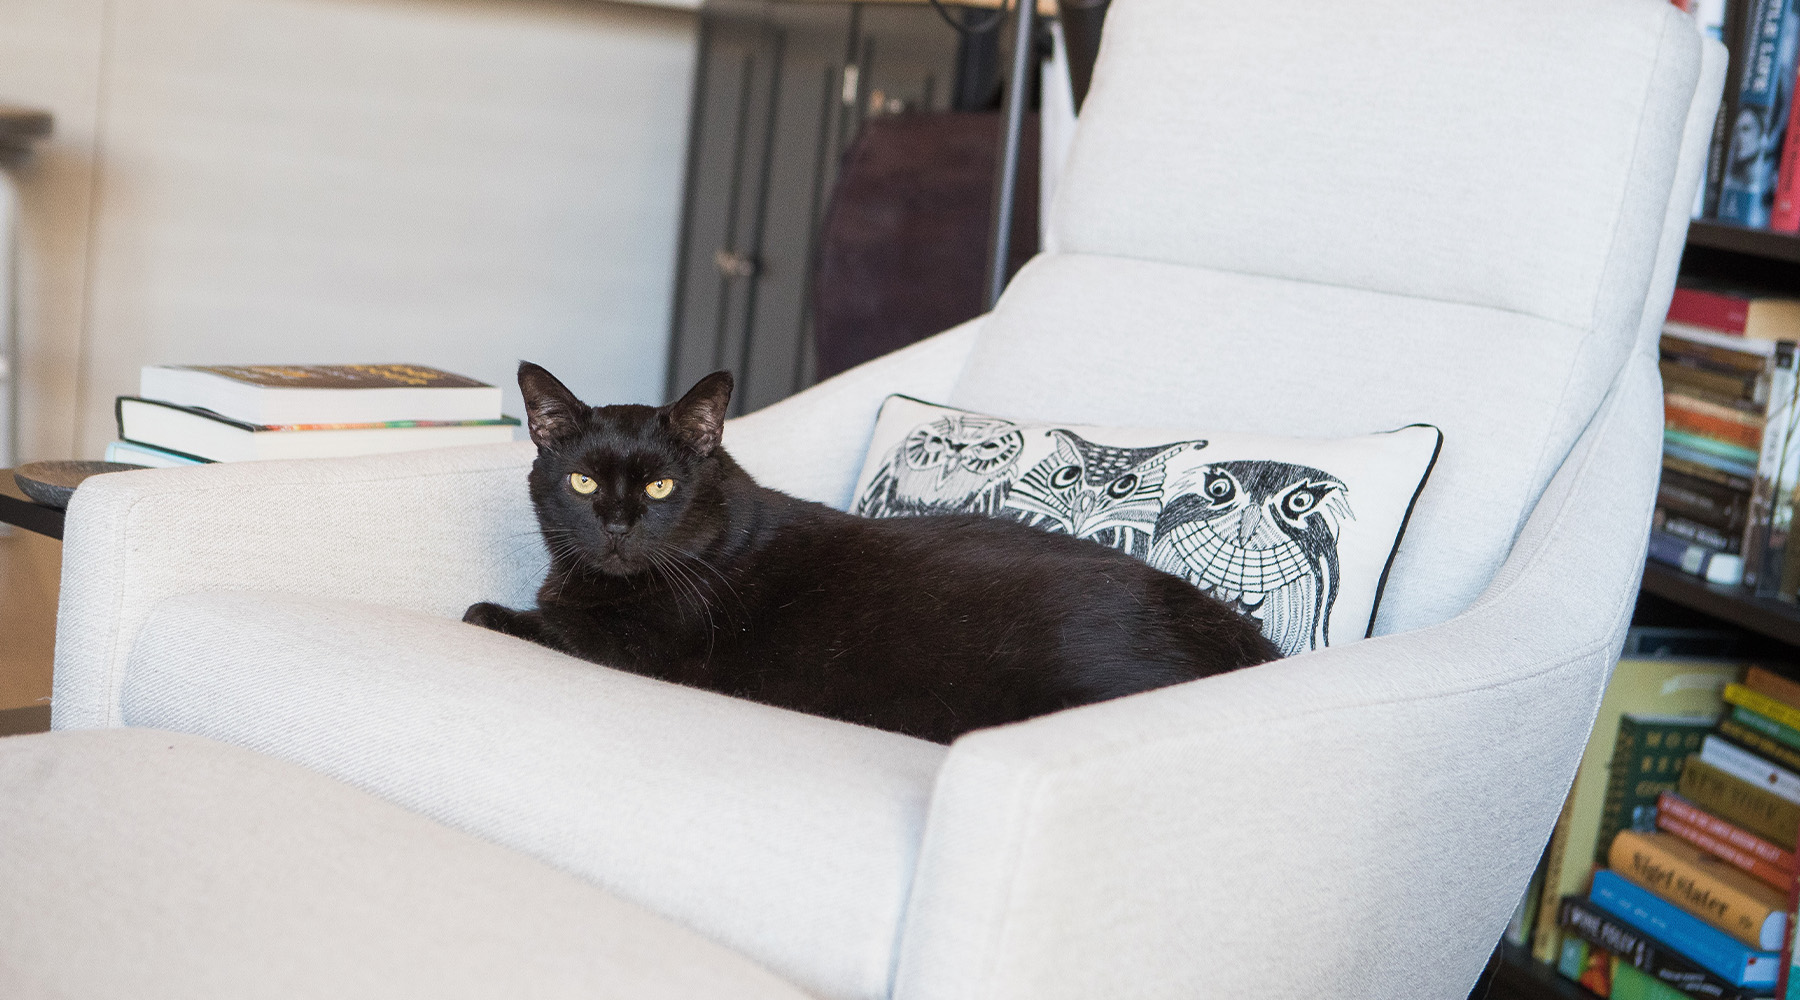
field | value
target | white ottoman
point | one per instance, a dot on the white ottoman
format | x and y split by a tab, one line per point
144	864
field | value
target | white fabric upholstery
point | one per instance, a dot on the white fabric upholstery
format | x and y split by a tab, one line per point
1510	155
787	837
1356	822
1469	214
146	865
1485	273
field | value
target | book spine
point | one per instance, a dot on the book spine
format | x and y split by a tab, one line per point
1706	473
1692	420
1771	502
1786	735
1647	860
1747	191
1703	502
1695	560
1772	684
1631	946
1546	936
1745	470
1722	840
1696	532
1712	310
1784	214
1743	764
1760	743
1647	758
1712	949
1732	33
1744	697
1711	385
1769	816
1712	446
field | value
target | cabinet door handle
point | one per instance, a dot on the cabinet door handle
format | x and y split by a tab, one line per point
735	264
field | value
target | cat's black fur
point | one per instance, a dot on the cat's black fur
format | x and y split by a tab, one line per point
930	626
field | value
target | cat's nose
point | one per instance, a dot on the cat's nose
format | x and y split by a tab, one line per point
615	528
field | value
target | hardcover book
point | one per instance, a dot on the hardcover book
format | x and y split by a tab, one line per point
1725	841
202	434
1640	951
1741	763
1648	754
1715	891
1700	942
1736	801
275	395
1663	686
1748	190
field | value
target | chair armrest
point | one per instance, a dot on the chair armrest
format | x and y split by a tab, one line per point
433	531
787	837
1356	822
812	444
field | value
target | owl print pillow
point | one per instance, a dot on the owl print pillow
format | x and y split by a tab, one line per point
1295	532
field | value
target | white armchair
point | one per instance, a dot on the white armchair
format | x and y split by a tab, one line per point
1293	217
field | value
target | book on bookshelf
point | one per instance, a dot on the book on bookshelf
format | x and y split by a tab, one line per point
132	453
1659	686
1762	703
1726	841
1587	965
274	395
1629	983
1747	191
1737	310
1740	803
1758	742
1647	757
1716	891
1767	682
1641	951
203	434
1694	559
1741	763
1725	508
1700	942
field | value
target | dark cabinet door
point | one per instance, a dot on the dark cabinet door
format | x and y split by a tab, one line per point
780	90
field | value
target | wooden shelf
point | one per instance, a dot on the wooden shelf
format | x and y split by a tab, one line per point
1765	616
1784	247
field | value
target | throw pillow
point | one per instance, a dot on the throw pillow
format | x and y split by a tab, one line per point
1298	533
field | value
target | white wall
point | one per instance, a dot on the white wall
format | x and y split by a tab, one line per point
461	183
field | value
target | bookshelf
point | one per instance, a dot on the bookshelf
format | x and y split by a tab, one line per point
1670	597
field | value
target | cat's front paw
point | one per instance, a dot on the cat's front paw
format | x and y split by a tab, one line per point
490	616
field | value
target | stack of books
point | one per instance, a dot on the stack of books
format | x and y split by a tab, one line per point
1753	165
1694	889
185	414
1731	436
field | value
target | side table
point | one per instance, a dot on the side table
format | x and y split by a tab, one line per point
18	509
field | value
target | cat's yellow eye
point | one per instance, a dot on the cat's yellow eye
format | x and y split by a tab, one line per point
659	489
582	484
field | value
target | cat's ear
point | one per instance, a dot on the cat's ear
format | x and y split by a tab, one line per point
698	418
552	412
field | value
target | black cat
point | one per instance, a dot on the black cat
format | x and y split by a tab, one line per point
668	560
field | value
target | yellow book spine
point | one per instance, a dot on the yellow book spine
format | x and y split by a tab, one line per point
1763	705
1703	885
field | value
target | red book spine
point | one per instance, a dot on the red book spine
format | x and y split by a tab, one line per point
1723	840
1784	216
1725	313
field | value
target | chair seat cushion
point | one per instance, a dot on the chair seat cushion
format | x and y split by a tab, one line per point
139	863
786	837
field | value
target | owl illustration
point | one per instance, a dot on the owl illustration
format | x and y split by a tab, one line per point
961	463
1262	535
1095	491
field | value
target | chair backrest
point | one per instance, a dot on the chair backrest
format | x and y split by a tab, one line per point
1313	218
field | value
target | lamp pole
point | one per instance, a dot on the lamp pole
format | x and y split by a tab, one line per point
1006	174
